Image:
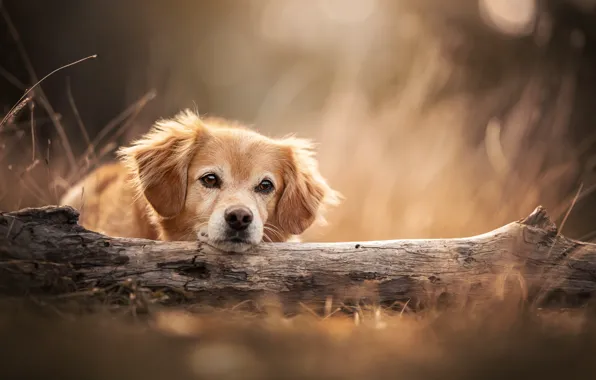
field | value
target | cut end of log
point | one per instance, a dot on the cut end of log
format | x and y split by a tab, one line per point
539	219
49	214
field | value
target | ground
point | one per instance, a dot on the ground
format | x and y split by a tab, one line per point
43	341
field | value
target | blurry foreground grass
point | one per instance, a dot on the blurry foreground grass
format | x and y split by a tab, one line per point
502	341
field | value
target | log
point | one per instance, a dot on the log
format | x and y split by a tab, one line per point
43	251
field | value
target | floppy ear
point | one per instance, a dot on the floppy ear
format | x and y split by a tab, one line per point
159	161
306	193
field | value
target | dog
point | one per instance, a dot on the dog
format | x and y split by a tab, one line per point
206	179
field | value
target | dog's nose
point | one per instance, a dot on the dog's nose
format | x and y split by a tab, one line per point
238	217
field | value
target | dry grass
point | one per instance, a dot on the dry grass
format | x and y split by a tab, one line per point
423	157
418	148
235	344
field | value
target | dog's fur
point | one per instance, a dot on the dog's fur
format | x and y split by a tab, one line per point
157	190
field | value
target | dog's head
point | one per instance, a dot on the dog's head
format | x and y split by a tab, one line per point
227	185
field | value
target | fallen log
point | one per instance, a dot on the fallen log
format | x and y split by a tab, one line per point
45	251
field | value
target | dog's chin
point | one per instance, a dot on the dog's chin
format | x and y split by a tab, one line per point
231	244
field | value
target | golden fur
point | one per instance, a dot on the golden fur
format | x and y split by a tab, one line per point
158	190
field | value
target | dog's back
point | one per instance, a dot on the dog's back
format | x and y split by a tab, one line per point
107	204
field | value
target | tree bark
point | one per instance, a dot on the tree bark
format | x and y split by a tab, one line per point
44	251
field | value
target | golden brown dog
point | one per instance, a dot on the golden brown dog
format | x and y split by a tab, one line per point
211	180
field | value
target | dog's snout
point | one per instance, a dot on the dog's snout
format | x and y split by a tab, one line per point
238	217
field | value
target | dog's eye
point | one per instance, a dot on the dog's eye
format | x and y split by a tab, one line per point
264	187
210	181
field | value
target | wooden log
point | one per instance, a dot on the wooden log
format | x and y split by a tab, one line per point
45	251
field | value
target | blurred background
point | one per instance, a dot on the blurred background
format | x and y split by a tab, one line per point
434	118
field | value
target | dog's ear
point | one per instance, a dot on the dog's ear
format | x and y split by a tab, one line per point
159	161
306	194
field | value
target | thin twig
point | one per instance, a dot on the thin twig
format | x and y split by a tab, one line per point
571	206
53	186
556	214
589	236
43	99
33	145
548	279
13	219
404	308
78	118
579	190
35	189
10	228
310	311
39	82
18	126
128	115
12	114
133	109
31	186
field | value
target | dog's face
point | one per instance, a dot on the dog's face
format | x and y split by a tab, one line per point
235	183
226	185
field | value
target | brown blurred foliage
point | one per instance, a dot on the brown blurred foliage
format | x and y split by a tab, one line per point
429	122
